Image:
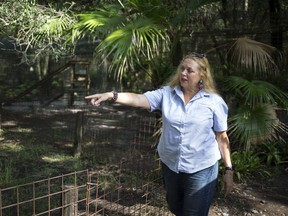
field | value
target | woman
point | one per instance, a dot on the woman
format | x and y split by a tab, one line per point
193	138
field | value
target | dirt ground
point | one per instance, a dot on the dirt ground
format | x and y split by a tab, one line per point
259	196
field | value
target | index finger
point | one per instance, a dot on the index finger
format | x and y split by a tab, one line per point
90	96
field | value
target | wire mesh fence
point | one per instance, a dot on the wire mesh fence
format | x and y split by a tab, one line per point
117	148
51	196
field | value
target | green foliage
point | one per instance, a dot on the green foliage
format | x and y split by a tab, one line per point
250	126
136	32
107	181
272	153
6	169
103	20
256	92
128	39
33	161
254	118
35	28
246	164
254	102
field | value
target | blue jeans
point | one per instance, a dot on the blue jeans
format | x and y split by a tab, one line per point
190	194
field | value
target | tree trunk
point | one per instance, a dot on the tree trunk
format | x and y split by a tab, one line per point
275	23
42	71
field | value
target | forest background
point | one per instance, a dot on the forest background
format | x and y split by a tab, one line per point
135	45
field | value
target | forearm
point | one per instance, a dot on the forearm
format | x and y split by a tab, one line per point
224	147
124	98
130	99
226	156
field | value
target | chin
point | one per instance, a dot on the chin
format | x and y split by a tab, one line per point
184	85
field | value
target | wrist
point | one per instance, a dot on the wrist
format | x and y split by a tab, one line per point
229	169
109	95
114	96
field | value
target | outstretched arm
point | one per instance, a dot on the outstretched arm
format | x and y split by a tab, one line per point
124	98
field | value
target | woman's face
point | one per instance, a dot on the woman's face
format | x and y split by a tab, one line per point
189	75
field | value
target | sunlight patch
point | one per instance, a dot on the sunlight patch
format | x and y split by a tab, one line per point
12	147
9	123
21	130
57	158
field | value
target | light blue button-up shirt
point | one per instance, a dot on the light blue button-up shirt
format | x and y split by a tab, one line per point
188	142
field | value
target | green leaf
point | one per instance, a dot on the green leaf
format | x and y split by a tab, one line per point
256	91
252	125
141	37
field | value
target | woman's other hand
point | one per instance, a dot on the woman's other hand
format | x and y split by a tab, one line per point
228	182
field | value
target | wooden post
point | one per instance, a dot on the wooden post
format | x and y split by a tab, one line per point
72	76
0	119
70	200
78	134
88	81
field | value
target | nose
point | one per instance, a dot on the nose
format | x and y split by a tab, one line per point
184	71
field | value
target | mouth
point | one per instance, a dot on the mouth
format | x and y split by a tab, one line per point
183	79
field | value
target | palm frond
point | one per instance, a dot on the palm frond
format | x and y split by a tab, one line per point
270	93
153	9
140	38
253	55
55	26
253	125
256	91
99	22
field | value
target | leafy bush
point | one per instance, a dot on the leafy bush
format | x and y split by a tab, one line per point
246	163
270	153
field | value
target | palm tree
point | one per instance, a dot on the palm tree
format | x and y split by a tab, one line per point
147	34
256	102
255	118
138	33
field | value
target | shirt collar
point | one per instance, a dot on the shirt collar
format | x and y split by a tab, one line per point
200	94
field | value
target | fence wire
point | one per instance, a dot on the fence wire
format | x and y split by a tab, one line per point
117	143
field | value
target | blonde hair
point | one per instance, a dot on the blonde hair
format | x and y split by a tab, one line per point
204	69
